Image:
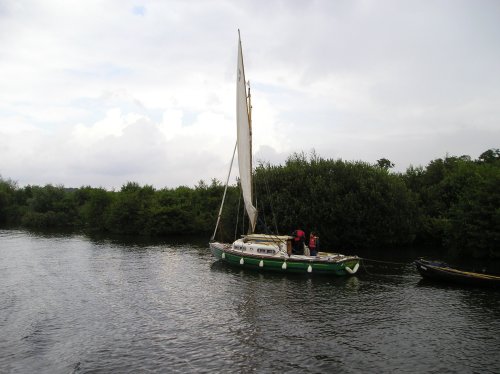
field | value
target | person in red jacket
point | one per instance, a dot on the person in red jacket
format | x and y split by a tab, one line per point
299	237
313	244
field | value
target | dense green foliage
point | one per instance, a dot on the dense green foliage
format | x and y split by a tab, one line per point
135	209
452	203
351	204
459	203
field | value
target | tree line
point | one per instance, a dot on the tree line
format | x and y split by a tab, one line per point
452	203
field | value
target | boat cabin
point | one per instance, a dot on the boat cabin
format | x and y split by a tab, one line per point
261	244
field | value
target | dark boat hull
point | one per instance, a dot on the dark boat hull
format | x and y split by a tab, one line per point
440	271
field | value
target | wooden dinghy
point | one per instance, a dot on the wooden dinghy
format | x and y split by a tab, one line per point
442	272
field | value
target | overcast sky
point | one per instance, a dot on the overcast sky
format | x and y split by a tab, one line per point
104	92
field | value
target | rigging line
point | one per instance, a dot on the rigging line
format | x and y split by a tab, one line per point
237	215
243	214
271	205
225	190
266	229
263	219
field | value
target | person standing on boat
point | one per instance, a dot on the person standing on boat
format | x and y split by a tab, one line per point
313	244
299	237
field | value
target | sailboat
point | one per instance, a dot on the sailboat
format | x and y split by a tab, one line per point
264	251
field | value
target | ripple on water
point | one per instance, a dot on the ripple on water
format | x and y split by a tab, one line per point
70	304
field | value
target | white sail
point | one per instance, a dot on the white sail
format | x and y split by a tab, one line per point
244	140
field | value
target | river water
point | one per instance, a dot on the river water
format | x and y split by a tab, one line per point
70	304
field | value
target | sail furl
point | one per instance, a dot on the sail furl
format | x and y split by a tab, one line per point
244	141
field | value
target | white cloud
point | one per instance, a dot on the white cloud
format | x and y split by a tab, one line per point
101	93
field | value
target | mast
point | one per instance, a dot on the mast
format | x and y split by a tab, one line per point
249	105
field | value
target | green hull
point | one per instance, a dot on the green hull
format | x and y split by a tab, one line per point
313	266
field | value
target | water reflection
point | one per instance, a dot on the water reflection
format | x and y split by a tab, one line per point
104	305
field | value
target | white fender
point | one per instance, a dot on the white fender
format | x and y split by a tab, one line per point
261	263
352	271
283	266
242	261
309	269
223	255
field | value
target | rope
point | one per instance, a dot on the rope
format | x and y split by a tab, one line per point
364	267
363	260
385	262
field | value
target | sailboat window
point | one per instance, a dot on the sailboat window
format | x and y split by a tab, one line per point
263	250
